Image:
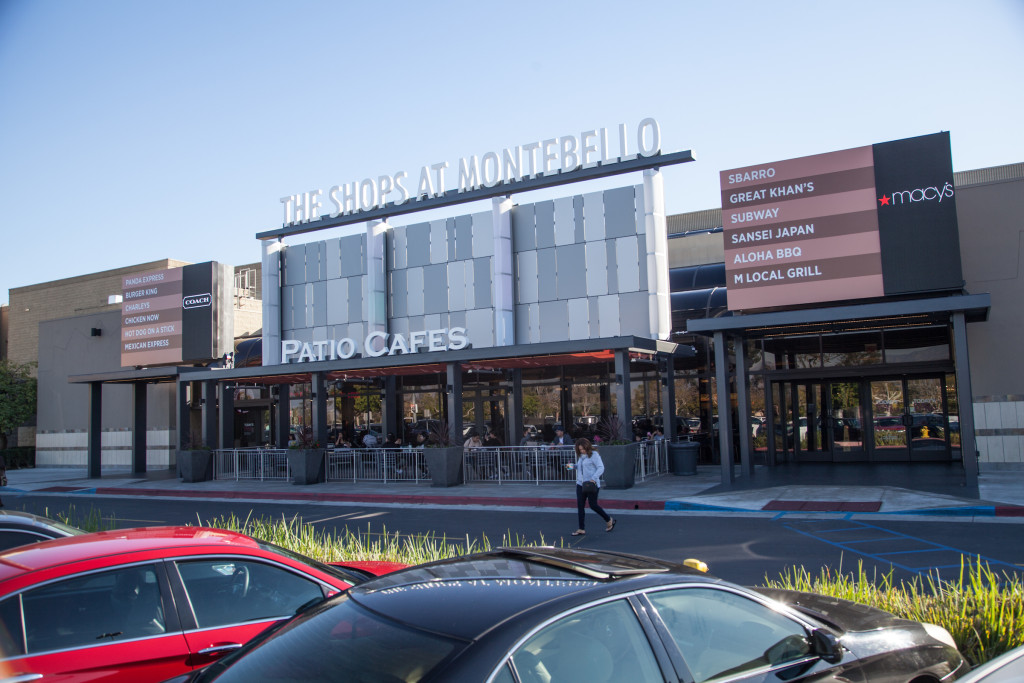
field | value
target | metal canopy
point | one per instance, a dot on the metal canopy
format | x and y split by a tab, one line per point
885	314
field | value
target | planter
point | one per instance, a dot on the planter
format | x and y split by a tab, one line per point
307	466
195	465
444	465
619	465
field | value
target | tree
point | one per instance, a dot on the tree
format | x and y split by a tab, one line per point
17	397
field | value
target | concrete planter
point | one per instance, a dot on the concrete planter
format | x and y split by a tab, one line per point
195	465
619	465
307	465
444	465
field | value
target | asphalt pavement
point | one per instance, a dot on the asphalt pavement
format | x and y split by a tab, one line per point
770	492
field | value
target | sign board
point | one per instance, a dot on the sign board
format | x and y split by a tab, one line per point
842	225
170	316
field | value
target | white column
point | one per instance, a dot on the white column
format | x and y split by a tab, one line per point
656	233
375	298
504	311
271	280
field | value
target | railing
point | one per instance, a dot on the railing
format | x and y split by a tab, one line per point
652	460
532	464
376	464
262	464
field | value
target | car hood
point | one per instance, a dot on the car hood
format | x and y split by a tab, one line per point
842	614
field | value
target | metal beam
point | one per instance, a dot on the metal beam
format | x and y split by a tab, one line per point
95	449
724	409
965	400
139	427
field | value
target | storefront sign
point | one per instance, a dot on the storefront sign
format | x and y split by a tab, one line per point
553	156
374	345
807	230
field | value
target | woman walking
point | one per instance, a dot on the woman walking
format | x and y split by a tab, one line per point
589	468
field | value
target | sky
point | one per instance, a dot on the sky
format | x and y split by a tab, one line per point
134	131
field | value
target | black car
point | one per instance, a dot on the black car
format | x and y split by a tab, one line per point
548	615
19	528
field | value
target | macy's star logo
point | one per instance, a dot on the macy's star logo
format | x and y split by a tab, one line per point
883	201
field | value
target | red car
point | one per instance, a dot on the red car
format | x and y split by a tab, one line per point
148	604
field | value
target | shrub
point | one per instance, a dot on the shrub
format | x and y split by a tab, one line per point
19	458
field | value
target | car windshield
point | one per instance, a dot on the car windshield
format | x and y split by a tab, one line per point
352	577
339	641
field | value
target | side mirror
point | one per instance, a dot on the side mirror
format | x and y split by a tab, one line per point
826	646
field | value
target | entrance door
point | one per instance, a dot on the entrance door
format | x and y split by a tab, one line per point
889	438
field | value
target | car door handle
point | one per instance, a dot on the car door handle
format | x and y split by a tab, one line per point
21	678
219	649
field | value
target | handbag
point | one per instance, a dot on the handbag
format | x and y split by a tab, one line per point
589	487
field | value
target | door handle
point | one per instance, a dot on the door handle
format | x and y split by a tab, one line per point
220	649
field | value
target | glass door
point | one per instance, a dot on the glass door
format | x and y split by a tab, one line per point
889	439
845	420
926	419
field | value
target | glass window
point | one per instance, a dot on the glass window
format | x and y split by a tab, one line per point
97	608
845	350
11	641
917	345
724	634
342	642
12	538
226	591
603	643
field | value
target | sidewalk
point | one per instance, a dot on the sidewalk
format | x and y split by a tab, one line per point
1001	494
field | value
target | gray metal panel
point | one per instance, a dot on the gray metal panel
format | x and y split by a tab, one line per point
298	306
399	248
457	285
352	255
554	321
545	216
319	303
483	234
482	283
565	221
608	314
355	299
463	238
577	212
309	301
399	293
439	241
432	321
337	301
620	212
596	271
416	284
526	277
572	282
415	322
522	324
595	317
546	281
417	238
524	228
470	275
593	216
627	260
332	259
579	318
435	295
295	264
399	326
480	327
314	257
634	314
457	319
302	334
613	267
641	253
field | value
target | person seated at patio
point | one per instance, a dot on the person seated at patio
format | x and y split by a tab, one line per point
561	438
492	440
526	440
473	442
421	440
341	442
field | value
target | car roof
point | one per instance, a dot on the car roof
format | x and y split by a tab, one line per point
22	519
56	552
468	596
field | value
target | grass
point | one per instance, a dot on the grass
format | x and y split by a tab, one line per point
982	610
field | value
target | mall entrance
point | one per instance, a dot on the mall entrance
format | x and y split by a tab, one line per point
866	419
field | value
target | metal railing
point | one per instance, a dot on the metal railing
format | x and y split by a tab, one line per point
262	464
652	459
376	464
531	464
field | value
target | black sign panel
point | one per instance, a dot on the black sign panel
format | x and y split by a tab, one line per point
198	314
917	224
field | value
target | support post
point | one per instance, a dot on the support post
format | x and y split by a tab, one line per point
210	413
622	384
392	419
139	427
319	397
453	396
668	398
227	416
965	399
724	408
284	412
95	450
743	409
515	408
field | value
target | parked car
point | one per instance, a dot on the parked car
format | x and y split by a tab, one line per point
147	604
18	528
548	615
1006	668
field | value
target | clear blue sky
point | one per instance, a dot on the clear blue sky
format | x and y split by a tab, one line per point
132	131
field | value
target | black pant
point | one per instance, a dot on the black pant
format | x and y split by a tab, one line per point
582	499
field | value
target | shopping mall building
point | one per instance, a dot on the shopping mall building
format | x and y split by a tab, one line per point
858	306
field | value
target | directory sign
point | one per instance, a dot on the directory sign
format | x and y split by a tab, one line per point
856	224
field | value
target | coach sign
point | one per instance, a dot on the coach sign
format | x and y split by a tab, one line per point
827	228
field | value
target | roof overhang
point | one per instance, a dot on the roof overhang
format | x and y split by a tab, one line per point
871	316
